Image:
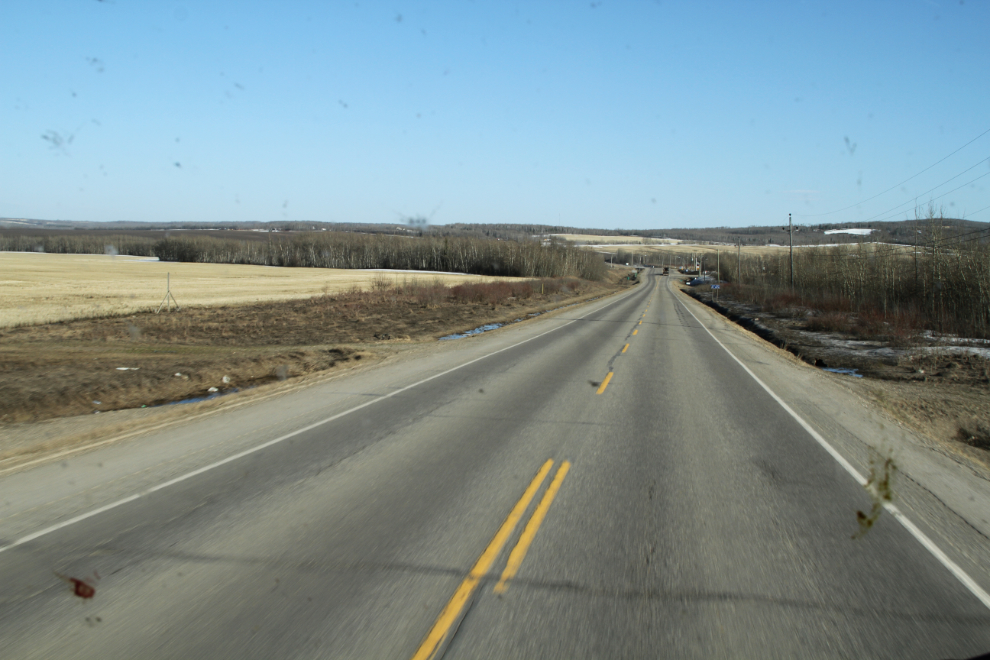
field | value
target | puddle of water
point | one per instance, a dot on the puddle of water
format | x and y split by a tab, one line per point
528	316
203	398
493	326
476	331
847	372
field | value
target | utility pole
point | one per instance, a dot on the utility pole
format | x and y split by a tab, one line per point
916	255
718	272
739	262
790	233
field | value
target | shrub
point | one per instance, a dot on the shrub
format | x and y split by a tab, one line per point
431	295
522	289
828	322
489	293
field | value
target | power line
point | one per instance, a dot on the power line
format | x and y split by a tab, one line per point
975	231
815	252
845	251
958	238
980	211
895	211
818	215
971	240
848	250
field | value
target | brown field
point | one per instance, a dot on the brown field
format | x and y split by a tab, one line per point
685	253
618	240
45	288
116	363
750	250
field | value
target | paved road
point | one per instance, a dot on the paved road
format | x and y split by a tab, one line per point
639	492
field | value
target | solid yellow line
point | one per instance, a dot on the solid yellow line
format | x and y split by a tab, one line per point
625	348
462	596
518	553
634	332
604	384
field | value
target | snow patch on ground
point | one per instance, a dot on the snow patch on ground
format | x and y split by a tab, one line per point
855	232
952	339
957	350
848	372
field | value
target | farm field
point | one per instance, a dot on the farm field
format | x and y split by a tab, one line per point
685	253
748	250
45	288
614	240
143	359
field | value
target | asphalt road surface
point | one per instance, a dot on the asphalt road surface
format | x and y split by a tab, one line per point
609	482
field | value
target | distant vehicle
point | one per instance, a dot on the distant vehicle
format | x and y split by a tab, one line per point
666	270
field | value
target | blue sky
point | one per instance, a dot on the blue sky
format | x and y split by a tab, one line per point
591	114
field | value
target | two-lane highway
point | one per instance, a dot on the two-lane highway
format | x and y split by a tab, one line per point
607	482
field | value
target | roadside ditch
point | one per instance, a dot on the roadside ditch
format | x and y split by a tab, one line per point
95	366
938	385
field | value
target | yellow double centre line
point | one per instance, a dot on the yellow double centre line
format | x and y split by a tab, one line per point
532	527
446	623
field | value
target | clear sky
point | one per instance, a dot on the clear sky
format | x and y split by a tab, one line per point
594	114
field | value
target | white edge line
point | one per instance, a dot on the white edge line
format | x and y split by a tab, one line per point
275	441
921	537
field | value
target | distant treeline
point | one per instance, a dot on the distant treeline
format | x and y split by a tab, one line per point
76	242
887	231
332	250
346	250
943	286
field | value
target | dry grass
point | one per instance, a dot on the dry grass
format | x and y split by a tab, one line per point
146	359
45	288
747	250
686	248
616	240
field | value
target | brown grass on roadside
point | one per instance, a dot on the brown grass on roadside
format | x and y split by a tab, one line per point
829	322
96	365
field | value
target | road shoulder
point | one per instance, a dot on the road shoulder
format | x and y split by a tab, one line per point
950	495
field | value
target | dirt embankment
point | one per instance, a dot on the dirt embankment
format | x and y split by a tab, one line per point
144	360
939	386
